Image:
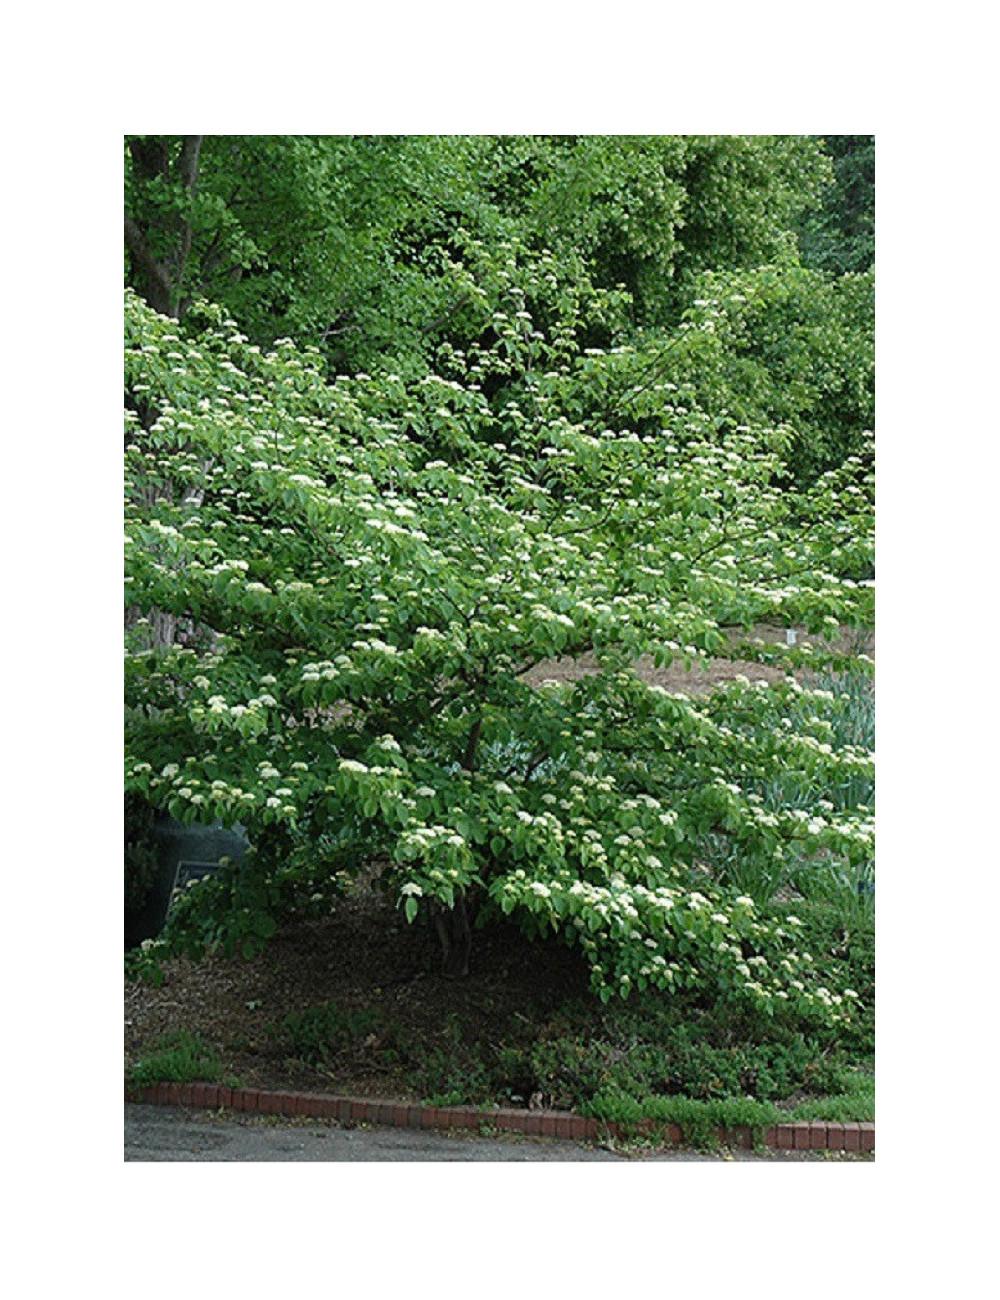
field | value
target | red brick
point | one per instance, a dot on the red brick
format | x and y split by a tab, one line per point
801	1138
429	1117
852	1137
740	1136
834	1136
578	1128
818	1136
771	1135
785	1136
508	1120
548	1126
867	1137
563	1126
533	1125
384	1114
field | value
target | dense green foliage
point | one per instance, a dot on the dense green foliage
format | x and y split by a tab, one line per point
840	236
551	396
363	247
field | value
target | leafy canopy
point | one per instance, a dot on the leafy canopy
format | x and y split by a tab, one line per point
370	574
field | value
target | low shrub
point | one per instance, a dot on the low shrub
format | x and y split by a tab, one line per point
182	1057
319	1034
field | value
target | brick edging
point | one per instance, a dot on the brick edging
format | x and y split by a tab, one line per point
801	1135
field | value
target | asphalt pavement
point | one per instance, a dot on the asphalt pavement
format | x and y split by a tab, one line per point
167	1133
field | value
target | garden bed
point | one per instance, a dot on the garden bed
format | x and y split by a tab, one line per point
354	1004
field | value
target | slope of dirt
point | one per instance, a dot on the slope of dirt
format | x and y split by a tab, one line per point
704	675
365	957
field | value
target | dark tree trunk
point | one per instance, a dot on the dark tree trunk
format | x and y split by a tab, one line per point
455	934
160	280
453	925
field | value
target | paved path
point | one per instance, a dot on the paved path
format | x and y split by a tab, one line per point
166	1133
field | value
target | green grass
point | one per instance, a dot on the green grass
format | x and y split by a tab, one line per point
177	1058
700	1122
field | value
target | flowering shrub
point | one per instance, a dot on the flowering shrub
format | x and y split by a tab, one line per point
358	577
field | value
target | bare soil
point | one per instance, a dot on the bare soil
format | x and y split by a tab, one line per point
364	957
704	675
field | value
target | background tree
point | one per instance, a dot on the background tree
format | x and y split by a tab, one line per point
342	240
160	216
840	236
364	246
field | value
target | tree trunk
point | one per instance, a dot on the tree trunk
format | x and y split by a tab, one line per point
452	925
161	281
455	934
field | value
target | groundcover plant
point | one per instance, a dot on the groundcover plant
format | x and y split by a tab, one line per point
338	588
